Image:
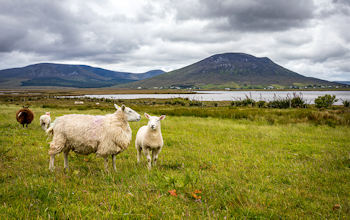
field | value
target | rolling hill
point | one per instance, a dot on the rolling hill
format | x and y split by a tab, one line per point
230	70
81	76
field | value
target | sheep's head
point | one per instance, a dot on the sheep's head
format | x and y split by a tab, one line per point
47	113
130	114
154	121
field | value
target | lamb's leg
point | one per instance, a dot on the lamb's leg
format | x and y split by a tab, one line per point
155	154
146	151
139	149
52	160
65	156
113	159
106	163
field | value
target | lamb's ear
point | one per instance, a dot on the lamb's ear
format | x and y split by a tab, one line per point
147	115
123	107
162	117
116	106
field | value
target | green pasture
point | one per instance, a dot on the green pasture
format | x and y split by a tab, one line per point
269	164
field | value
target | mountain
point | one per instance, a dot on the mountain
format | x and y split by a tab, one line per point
230	70
81	76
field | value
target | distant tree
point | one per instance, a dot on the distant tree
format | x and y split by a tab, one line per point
325	101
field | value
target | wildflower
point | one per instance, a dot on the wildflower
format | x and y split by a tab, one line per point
197	191
195	196
173	192
336	207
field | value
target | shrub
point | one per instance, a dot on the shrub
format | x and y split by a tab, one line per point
297	101
261	104
325	101
248	101
346	103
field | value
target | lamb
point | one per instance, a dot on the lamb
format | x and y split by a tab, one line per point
150	138
45	120
85	134
25	116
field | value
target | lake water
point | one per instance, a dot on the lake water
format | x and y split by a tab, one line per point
308	96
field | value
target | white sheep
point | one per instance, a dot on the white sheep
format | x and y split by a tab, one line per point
85	134
149	138
45	120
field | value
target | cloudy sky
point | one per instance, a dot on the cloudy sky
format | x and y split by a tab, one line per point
310	37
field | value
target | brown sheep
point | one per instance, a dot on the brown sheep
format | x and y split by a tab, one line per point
24	116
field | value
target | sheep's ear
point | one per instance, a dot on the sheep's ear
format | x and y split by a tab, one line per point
147	115
116	106
123	107
162	117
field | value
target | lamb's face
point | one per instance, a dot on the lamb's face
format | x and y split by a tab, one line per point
154	121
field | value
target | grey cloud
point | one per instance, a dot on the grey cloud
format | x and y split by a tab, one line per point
249	15
318	54
294	39
343	2
50	28
334	8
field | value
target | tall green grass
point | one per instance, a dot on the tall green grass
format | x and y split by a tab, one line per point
221	168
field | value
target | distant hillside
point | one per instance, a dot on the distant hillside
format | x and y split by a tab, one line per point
343	82
81	76
230	70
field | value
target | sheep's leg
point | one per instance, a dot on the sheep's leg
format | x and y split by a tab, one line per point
155	154
106	163
57	146
146	151
52	161
65	156
113	159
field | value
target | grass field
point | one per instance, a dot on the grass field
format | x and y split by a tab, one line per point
209	168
